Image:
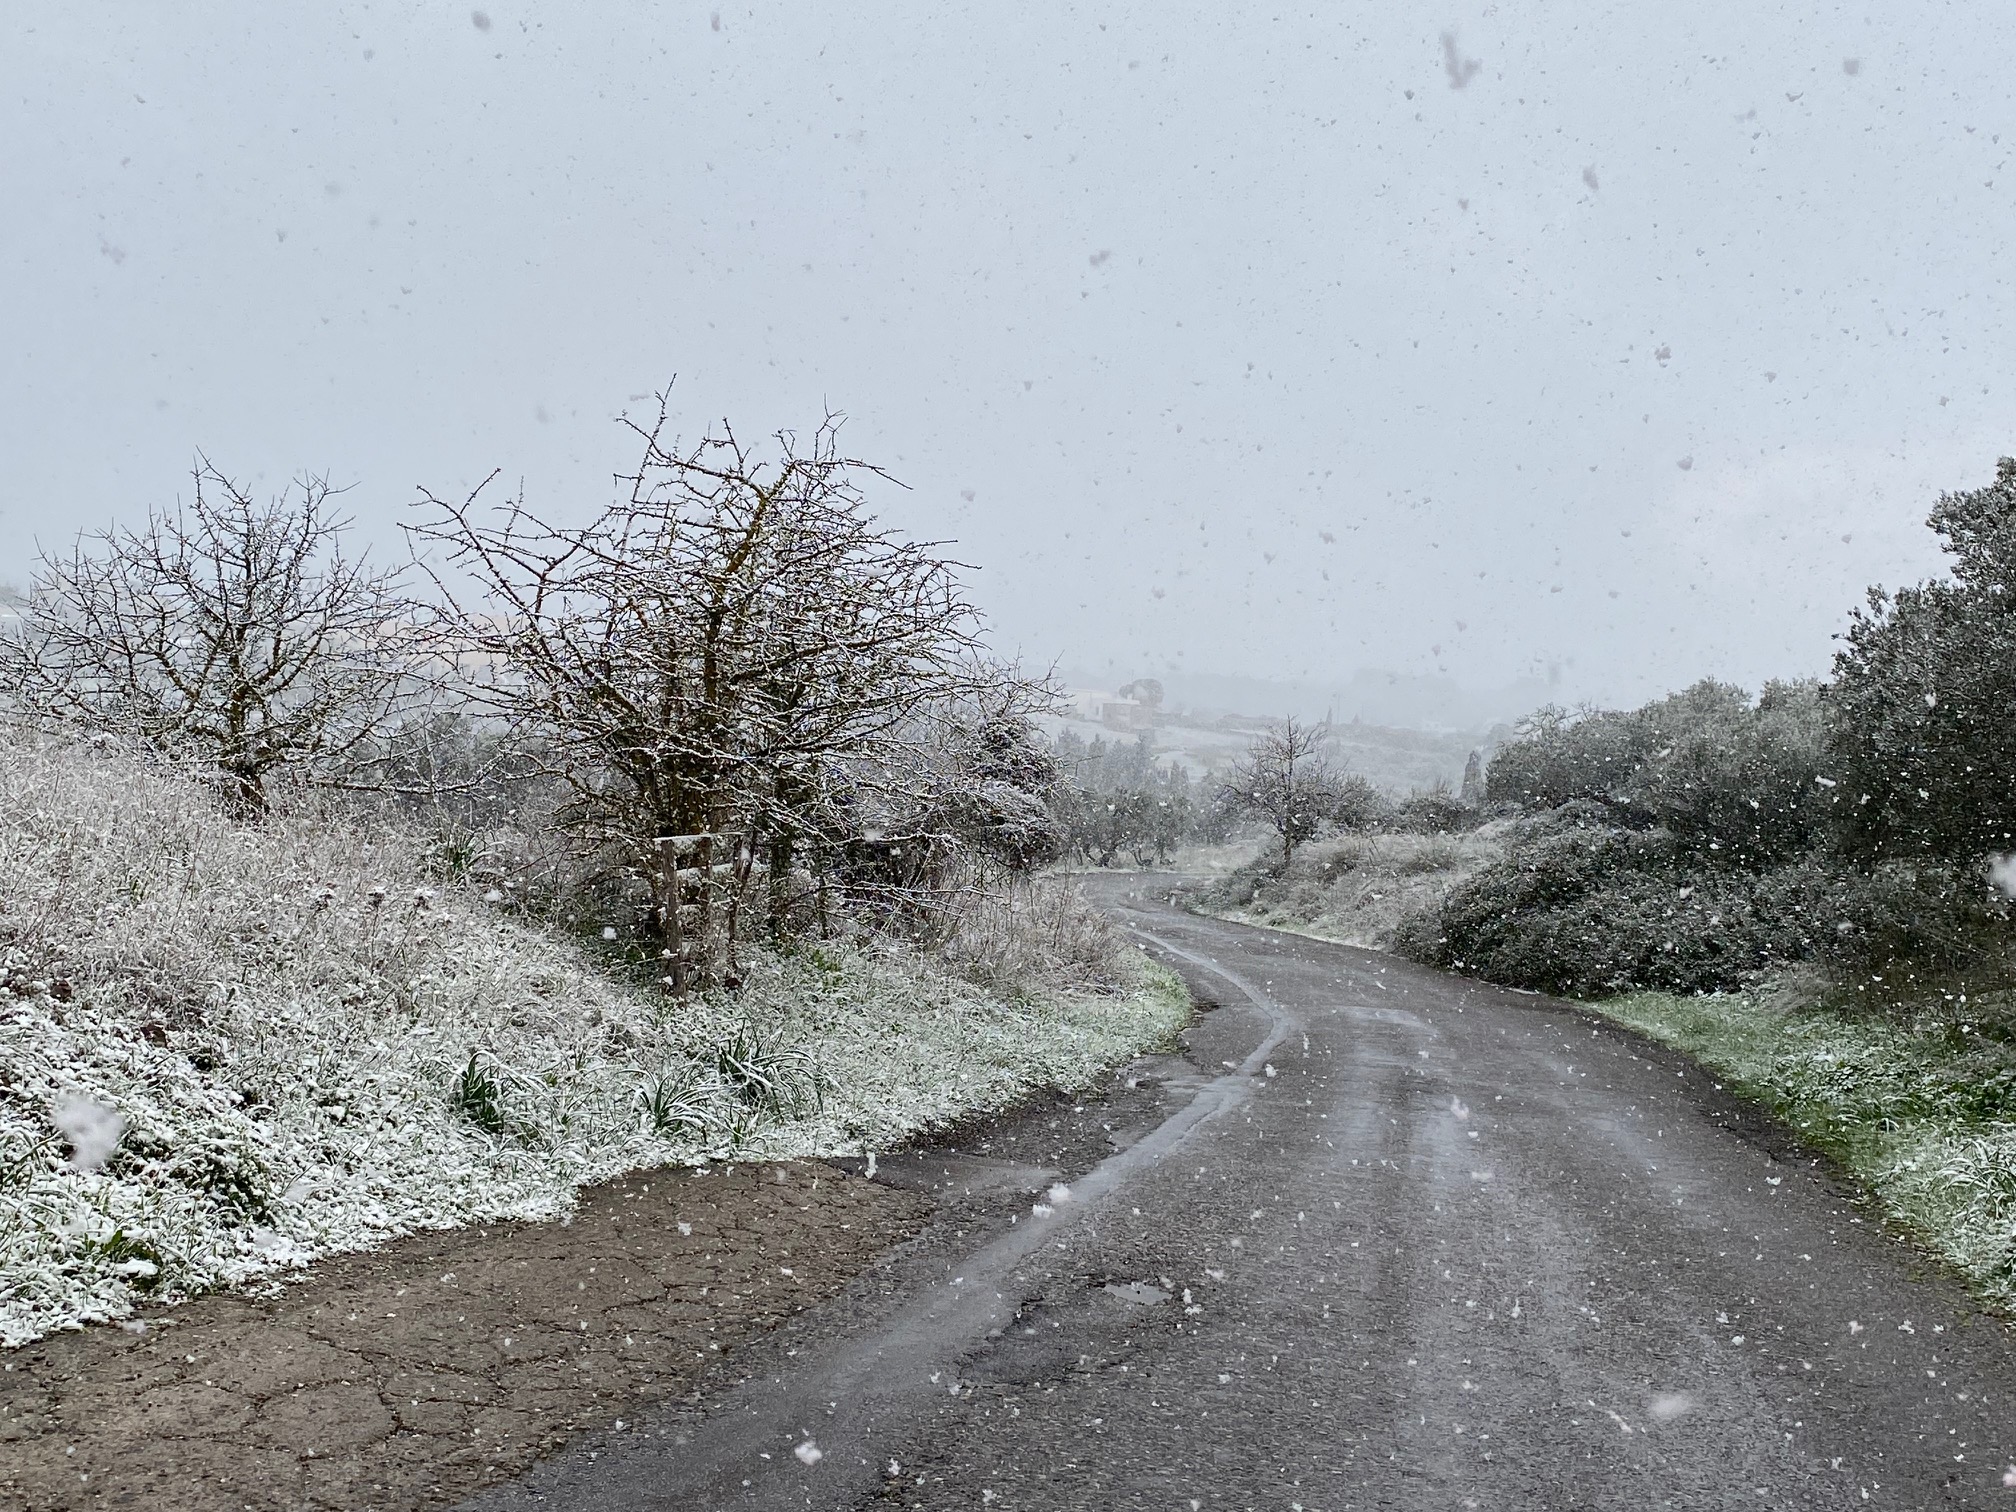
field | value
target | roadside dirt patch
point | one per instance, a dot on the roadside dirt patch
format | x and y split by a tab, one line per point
413	1375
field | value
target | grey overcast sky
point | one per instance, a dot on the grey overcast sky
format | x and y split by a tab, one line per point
1633	340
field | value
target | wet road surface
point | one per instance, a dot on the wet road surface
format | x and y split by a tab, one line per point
1395	1240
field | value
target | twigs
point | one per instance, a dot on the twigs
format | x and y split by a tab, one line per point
227	631
732	650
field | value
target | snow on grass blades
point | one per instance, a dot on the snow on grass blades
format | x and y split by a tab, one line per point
1920	1106
768	1076
225	1050
680	1102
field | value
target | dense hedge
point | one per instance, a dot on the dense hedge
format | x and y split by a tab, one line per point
1582	908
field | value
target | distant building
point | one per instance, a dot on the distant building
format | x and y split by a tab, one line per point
1113	710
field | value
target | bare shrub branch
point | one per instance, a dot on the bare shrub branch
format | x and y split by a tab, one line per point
228	632
716	667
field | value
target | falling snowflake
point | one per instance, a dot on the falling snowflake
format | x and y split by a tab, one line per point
94	1131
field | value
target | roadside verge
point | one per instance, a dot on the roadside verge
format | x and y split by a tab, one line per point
1920	1112
414	1374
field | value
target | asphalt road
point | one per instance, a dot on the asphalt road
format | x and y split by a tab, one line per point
1392	1240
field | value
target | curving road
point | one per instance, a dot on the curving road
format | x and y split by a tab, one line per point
1389	1240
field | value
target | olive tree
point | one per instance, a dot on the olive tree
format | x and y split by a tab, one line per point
1923	748
230	632
1286	779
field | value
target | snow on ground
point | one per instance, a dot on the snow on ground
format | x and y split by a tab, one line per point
303	1045
1354	889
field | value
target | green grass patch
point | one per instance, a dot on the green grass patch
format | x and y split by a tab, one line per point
1921	1109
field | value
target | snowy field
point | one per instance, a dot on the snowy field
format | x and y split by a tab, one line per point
226	1051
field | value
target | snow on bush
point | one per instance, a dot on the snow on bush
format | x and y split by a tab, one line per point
225	1050
1356	889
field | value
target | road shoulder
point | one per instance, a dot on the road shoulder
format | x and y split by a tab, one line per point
415	1374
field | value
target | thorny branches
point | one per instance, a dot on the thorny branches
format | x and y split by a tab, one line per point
228	631
722	668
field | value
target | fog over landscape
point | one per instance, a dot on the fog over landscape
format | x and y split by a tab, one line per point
1045	756
1582	352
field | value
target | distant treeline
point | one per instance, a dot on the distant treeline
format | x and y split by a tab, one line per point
1115	805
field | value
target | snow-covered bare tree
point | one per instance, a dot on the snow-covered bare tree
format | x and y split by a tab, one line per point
707	665
1286	779
226	631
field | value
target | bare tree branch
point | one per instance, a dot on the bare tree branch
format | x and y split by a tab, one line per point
728	654
1286	779
228	632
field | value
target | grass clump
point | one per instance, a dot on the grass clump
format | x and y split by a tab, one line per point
1918	1103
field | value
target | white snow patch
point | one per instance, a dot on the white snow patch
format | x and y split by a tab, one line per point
94	1130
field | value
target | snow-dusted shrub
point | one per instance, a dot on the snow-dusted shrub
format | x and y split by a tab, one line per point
1356	888
1591	912
1025	937
1588	911
286	1040
291	1026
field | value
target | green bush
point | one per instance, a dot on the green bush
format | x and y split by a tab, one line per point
1584	909
1703	837
1917	922
1360	807
1593	912
1435	812
1738	781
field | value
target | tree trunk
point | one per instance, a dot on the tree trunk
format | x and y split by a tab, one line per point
670	925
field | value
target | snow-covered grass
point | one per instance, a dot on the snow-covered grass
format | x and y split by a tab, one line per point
1356	888
1921	1107
303	1043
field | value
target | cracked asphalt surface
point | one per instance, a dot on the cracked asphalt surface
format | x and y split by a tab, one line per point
411	1375
1388	1239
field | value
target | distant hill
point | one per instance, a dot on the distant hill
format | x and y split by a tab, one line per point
1399	733
1394	700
